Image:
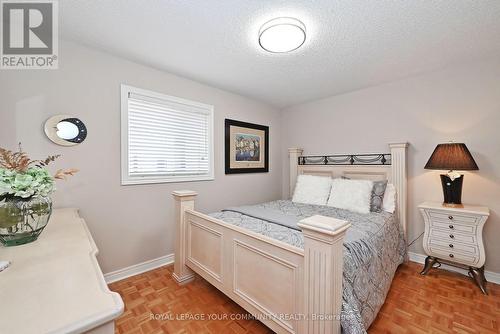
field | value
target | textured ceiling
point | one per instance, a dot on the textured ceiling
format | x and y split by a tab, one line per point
351	44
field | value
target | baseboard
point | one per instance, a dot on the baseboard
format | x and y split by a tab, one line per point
139	268
490	276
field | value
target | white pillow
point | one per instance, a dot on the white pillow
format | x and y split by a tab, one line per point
389	202
312	189
352	195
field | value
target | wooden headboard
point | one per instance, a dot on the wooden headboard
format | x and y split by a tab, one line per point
384	166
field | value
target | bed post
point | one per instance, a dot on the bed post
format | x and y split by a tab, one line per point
293	154
399	179
323	269
184	200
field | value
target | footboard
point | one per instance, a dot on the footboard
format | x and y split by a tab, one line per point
291	290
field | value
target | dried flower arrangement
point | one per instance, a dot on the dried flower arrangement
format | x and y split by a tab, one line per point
24	178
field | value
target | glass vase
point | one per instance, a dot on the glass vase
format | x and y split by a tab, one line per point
22	220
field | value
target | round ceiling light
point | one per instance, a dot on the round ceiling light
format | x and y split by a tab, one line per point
283	34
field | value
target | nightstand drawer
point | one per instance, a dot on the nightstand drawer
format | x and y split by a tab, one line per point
437	234
467	259
452	246
452	217
453	226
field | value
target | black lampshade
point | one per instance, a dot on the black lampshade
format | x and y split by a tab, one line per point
451	156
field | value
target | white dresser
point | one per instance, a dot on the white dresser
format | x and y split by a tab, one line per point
55	285
455	235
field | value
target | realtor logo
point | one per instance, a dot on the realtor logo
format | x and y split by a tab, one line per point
29	34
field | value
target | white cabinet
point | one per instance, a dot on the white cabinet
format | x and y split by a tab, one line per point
455	235
55	285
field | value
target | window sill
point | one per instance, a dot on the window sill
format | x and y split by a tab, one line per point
146	180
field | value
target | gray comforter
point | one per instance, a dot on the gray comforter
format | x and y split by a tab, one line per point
373	248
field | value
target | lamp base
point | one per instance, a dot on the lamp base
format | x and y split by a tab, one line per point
452	190
453	205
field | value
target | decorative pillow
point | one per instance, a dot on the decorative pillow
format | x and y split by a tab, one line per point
312	189
377	196
352	195
389	203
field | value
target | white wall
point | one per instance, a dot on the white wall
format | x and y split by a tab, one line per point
459	103
130	224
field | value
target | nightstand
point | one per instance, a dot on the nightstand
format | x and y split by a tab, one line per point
454	235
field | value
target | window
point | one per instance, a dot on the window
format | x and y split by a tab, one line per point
165	138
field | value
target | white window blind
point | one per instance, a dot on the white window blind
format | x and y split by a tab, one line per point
167	139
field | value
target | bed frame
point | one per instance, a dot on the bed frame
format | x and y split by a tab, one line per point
289	289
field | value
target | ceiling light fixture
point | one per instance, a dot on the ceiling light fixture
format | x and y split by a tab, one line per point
283	34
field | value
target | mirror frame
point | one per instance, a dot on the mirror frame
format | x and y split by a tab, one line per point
50	129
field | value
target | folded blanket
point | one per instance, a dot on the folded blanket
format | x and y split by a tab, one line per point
269	215
361	250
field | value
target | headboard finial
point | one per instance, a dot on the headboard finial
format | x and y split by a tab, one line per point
399	145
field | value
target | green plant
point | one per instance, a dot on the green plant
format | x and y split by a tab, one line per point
21	177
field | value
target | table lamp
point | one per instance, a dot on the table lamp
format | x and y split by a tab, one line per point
452	157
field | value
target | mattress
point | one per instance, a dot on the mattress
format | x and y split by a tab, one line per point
374	247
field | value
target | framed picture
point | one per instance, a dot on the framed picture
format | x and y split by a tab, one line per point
246	147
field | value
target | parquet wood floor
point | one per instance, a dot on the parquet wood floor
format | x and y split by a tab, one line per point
441	302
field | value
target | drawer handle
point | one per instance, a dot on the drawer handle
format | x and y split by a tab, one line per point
450	217
451	245
451	255
452	236
452	227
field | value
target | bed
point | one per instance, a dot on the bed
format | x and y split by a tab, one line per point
331	270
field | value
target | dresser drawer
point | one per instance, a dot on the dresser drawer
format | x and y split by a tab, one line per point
452	246
454	226
452	217
447	236
467	259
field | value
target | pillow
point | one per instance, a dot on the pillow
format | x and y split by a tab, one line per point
377	196
311	189
352	195
389	203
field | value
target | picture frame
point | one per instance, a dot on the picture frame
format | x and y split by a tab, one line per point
246	147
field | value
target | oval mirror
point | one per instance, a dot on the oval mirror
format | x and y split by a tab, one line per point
65	130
